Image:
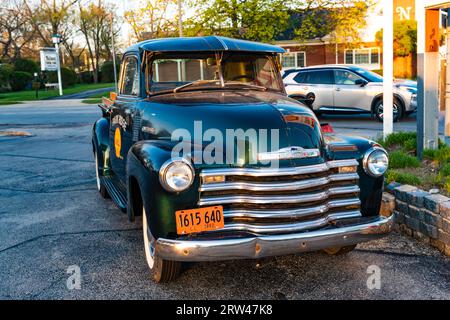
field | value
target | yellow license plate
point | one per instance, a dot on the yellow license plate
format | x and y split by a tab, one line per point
199	220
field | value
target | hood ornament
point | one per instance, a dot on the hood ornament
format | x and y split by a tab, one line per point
289	153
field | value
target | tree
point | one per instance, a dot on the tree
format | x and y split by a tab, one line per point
95	24
405	37
150	19
341	20
259	20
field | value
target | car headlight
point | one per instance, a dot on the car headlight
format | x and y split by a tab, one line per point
375	162
176	175
409	89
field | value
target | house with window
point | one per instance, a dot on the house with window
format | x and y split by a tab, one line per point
365	54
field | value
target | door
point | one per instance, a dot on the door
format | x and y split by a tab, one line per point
350	91
121	131
318	87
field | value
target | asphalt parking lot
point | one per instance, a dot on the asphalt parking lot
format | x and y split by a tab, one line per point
52	218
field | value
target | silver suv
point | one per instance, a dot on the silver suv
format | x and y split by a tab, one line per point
348	88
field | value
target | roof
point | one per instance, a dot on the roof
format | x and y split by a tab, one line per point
196	44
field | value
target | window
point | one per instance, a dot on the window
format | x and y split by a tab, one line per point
345	77
320	77
292	60
130	77
366	56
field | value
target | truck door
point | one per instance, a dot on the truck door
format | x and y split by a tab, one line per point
121	131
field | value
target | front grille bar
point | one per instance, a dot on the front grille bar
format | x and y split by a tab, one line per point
277	199
291	213
271	172
279	186
289	227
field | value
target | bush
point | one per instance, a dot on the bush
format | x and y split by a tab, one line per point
20	80
6	71
403	178
398	138
68	76
445	170
87	77
26	65
399	159
107	71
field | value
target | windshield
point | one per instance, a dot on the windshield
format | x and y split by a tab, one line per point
369	75
198	71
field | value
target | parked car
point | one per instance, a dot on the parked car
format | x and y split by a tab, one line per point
348	88
324	193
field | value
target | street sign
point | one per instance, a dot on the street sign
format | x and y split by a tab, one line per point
49	59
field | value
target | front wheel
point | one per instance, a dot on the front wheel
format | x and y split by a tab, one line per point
396	110
162	270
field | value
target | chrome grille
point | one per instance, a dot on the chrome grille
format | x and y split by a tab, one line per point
272	200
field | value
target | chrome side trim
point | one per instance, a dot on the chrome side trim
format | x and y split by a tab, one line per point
291	213
271	172
276	199
278	186
273	245
288	227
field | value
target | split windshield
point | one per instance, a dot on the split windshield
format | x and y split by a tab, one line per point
213	70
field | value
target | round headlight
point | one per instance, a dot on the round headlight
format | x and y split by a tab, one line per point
375	162
176	175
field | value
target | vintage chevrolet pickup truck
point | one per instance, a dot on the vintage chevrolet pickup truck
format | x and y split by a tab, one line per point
202	141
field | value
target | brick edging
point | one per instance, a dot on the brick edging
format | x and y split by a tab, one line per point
419	214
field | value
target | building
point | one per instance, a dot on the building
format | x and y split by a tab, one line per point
366	54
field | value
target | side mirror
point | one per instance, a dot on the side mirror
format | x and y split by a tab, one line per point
360	82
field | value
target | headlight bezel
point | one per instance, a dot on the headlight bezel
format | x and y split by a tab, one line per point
167	165
366	159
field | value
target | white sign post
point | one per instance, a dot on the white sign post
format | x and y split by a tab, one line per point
49	59
388	67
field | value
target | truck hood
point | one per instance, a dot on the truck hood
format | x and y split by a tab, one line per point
202	115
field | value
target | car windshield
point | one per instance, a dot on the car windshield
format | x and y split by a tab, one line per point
193	71
369	75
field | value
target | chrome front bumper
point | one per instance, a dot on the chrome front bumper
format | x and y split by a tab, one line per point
272	245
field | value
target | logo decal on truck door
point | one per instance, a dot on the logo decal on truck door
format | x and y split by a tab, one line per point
117	142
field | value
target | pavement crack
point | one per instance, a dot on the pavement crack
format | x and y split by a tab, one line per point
66	234
45	158
393	253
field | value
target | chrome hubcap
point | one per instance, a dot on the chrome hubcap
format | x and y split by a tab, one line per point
381	109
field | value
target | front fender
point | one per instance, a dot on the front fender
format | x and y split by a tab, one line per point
343	147
144	161
100	142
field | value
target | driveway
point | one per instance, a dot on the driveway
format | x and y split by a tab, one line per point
53	221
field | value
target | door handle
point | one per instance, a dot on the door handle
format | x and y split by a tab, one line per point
338	89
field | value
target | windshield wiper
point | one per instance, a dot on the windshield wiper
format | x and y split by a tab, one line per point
254	86
193	83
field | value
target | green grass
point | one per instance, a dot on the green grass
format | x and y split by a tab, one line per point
402	177
399	159
96	98
30	95
403	139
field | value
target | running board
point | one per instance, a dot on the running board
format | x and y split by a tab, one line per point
116	190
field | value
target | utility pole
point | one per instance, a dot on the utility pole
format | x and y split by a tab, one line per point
113	51
180	19
388	67
56	38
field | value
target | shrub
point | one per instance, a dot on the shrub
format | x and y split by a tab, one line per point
26	65
68	76
20	80
107	71
429	154
86	77
445	170
410	145
399	159
403	178
6	71
398	138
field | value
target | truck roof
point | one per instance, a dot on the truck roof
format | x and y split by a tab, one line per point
198	44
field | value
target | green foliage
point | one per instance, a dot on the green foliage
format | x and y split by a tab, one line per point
442	155
20	79
68	76
87	77
259	20
26	65
410	145
107	71
399	159
405	37
6	71
398	139
445	170
403	178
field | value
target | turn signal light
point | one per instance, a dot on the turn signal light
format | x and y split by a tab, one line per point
348	169
214	179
